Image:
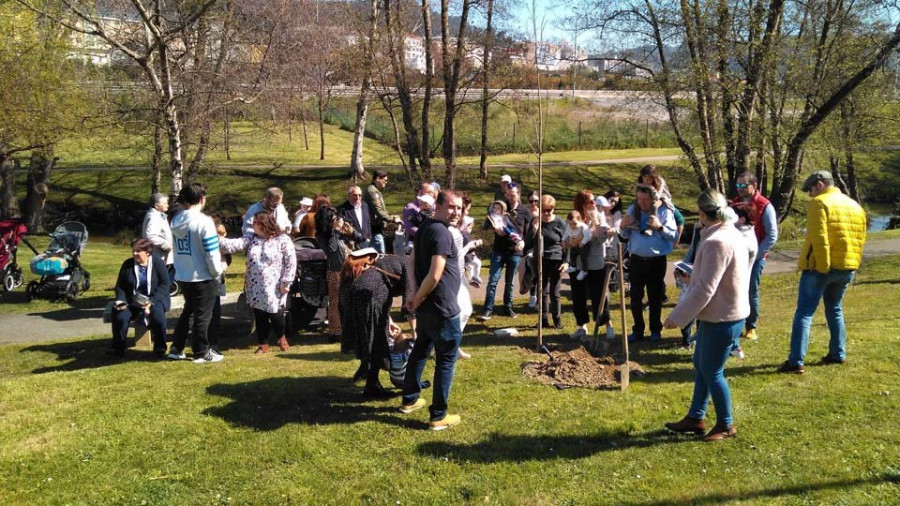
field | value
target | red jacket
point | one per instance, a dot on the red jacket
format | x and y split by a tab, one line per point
759	204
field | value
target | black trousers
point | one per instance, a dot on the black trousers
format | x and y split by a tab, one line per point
647	273
199	299
550	288
266	321
156	322
589	287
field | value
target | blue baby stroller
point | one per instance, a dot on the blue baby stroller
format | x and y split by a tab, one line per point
60	269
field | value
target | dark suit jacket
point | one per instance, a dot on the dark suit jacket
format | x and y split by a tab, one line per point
349	215
159	283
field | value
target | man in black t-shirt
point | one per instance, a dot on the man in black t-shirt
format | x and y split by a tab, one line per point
437	312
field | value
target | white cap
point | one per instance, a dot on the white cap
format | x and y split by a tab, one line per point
363	252
601	201
506	178
306	201
428	199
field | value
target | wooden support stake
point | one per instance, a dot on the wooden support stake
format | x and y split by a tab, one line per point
624	371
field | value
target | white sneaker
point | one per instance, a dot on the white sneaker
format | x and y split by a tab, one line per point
175	354
578	334
572	269
738	353
581	275
462	354
532	301
209	358
610	332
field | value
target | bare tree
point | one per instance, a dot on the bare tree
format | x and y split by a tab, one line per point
453	56
727	72
368	43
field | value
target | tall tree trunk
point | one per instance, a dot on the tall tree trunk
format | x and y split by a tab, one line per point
396	36
427	94
320	107
156	159
847	118
9	203
452	66
362	106
485	83
39	169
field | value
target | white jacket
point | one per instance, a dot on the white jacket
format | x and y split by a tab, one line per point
156	229
281	218
197	255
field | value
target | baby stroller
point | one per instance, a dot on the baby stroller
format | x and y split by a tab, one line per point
11	232
309	292
60	269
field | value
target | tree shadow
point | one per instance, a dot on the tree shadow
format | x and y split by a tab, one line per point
499	447
878	282
794	490
85	354
322	356
83	308
272	403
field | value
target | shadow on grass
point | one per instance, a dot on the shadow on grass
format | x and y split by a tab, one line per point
777	492
322	356
499	447
83	308
85	354
272	403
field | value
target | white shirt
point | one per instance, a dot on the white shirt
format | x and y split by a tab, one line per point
358	210
281	218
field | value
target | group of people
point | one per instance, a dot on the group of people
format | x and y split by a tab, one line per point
434	264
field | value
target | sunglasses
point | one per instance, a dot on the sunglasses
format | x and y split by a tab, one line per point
547	211
534	201
741	186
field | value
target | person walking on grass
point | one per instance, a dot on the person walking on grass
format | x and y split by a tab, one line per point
765	226
717	299
198	266
437	311
648	257
831	253
506	252
271	268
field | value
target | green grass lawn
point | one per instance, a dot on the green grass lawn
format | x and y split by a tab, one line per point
289	428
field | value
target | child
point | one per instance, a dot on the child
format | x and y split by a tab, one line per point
500	220
473	263
580	244
682	281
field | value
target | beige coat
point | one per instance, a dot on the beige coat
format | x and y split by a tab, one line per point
720	283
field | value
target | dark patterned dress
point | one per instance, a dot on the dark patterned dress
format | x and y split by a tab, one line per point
365	305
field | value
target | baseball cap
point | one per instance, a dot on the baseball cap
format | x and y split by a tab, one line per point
506	178
428	199
815	177
306	201
363	252
601	201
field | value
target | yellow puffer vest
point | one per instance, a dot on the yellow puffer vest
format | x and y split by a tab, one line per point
835	233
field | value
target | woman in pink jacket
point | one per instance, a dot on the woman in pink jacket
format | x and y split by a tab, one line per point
718	299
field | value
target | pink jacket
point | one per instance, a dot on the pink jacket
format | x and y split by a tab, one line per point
720	283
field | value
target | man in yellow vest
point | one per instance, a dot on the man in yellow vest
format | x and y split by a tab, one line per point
836	233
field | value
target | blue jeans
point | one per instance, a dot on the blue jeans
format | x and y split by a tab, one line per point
444	335
815	286
714	341
755	274
378	243
498	261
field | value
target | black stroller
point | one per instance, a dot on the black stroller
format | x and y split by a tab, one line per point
60	269
309	292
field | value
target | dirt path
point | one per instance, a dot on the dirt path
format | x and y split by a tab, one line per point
67	323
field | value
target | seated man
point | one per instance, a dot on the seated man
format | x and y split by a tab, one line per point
142	293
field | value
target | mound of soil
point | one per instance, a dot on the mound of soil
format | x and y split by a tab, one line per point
578	368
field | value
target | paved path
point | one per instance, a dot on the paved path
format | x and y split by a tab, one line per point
72	323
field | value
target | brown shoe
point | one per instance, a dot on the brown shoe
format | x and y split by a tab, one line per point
790	368
263	348
829	360
283	344
719	433
687	424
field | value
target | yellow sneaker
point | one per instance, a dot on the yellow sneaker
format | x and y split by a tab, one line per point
750	334
409	408
446	422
